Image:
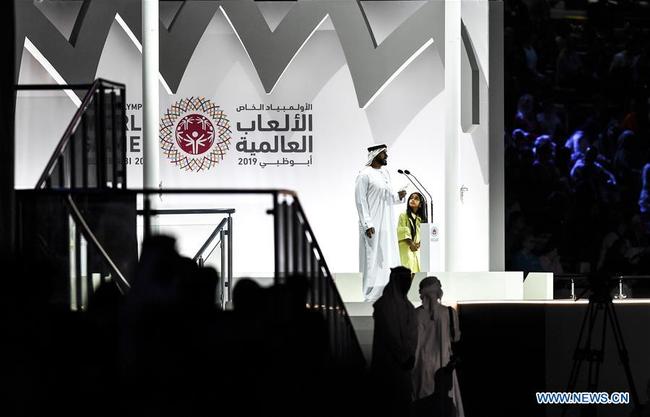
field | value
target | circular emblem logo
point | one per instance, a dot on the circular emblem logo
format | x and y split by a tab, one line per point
194	134
434	232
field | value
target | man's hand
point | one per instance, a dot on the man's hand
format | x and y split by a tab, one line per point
401	194
414	247
370	232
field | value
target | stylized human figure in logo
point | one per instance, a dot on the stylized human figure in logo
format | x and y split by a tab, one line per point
195	134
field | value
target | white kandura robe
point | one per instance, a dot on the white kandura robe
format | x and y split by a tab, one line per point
375	198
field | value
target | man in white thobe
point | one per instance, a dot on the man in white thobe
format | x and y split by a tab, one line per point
374	196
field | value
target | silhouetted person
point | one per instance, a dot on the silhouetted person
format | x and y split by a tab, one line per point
168	354
247	297
591	180
435	385
644	196
393	346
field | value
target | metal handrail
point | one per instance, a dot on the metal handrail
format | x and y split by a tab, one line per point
44	87
210	239
67	134
226	258
80	221
296	252
187	211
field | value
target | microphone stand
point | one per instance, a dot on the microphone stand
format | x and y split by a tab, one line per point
404	172
408	173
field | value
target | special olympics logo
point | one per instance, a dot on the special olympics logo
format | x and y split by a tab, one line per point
194	134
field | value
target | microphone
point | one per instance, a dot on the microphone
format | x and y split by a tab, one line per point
408	173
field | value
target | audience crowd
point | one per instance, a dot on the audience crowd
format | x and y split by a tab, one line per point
166	349
577	140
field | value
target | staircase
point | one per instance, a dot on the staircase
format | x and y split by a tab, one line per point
80	199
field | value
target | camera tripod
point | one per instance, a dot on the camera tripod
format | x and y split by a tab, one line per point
600	301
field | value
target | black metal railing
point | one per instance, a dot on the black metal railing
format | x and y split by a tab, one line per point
83	231
297	253
92	150
85	237
296	250
91	154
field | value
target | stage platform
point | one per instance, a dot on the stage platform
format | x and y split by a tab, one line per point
512	348
457	286
517	340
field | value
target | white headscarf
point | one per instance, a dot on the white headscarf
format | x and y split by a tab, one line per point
373	154
430	294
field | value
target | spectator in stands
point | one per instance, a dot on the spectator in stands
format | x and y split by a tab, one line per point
606	142
532	58
577	144
641	70
644	197
544	173
637	119
526	258
609	111
569	69
549	259
435	385
627	166
548	120
591	181
525	117
393	345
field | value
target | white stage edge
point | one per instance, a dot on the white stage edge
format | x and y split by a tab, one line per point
457	286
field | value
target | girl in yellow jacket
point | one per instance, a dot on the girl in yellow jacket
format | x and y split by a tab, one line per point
408	231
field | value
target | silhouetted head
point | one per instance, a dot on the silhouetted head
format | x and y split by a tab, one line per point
431	285
544	148
526	103
200	288
521	138
158	259
401	278
578	142
247	296
626	140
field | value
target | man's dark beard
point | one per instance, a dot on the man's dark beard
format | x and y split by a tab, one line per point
383	161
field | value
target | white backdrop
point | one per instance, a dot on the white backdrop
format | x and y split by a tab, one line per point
410	115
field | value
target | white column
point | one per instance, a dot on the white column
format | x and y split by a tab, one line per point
497	158
452	125
150	106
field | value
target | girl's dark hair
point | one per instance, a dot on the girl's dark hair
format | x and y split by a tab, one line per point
422	212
